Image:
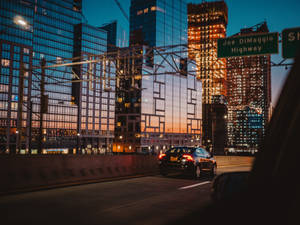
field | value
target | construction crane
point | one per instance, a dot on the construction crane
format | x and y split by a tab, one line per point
121	8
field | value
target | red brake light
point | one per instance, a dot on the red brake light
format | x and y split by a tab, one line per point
188	157
161	155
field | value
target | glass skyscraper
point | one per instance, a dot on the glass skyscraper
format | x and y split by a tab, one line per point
48	35
158	103
95	97
116	35
16	52
158	22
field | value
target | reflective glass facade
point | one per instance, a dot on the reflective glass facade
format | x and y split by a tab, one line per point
53	30
158	22
116	36
16	55
166	109
48	34
95	97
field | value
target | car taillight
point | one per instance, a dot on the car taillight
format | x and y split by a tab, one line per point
188	157
161	155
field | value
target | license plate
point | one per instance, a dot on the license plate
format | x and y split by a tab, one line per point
172	159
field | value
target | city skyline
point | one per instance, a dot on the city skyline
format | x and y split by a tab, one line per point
160	111
149	111
279	15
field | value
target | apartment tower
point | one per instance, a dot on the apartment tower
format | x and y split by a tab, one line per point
206	23
249	96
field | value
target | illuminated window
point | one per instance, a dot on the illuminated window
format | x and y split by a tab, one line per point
58	60
26	51
5	62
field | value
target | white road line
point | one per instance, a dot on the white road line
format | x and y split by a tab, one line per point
194	185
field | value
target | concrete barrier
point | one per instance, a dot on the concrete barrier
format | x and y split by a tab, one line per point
35	172
21	173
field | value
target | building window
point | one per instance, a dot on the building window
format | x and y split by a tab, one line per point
26	51
58	60
5	62
153	8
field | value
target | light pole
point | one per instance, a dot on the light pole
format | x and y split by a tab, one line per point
43	106
78	144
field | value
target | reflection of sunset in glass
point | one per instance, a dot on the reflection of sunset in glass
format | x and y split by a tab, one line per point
178	106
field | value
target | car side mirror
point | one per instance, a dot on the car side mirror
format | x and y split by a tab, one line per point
229	185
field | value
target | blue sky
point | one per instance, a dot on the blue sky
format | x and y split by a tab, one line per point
278	14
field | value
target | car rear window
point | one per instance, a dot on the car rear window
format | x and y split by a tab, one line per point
181	150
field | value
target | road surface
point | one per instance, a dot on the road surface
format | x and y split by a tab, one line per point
146	200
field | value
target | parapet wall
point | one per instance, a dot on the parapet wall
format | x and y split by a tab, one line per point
34	172
23	173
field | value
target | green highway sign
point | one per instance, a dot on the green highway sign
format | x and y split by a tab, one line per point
290	42
247	45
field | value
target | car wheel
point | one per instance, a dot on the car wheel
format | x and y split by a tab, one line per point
163	171
197	173
213	172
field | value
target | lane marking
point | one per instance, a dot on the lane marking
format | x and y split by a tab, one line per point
194	185
236	165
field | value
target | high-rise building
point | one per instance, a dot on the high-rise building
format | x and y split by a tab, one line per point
249	96
34	32
207	23
95	98
158	22
157	106
116	36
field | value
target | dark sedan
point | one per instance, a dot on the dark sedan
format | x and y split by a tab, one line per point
193	161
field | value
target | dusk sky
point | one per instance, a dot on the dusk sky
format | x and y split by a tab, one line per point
278	14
